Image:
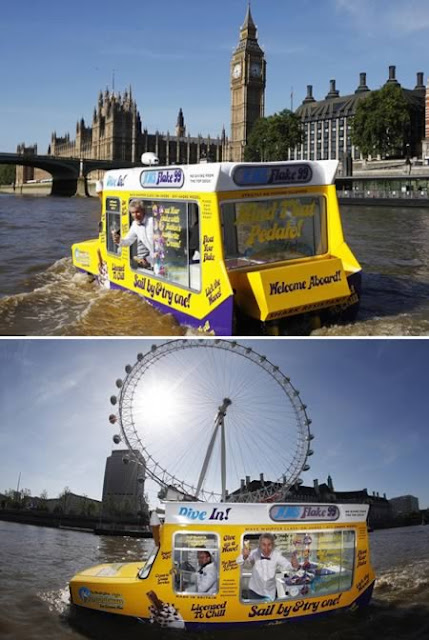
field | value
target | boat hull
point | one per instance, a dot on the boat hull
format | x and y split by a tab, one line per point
267	614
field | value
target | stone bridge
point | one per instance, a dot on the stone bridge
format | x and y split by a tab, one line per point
69	175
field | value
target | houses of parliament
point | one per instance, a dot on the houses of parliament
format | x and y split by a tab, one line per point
116	131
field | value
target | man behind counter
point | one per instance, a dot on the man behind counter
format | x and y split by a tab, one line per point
141	231
266	561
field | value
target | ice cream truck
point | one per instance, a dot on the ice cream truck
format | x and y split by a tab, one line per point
229	564
229	248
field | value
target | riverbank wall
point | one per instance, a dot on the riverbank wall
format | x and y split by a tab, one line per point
76	523
383	202
43	189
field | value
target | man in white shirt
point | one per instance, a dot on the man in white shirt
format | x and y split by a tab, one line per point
266	561
206	576
141	231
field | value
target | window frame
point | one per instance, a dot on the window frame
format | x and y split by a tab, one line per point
109	240
214	535
312	532
150	272
145	571
323	227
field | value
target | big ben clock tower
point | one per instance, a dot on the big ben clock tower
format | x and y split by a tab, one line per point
247	87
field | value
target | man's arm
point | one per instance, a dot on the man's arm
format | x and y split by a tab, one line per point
149	235
129	239
284	564
251	557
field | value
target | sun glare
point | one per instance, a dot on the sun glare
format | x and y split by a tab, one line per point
158	406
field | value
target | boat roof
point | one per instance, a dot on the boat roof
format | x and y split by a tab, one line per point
231	513
222	176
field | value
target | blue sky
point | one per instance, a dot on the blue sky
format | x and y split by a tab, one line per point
56	56
368	400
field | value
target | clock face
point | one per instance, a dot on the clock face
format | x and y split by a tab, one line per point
236	72
255	70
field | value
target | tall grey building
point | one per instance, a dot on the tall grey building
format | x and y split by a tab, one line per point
123	488
404	505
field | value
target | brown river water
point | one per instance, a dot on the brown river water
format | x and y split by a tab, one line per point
42	294
36	564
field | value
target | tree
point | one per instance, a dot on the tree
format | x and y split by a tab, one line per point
272	137
25	496
64	499
7	173
43	501
12	499
382	123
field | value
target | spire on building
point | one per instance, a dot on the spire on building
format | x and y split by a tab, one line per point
180	124
248	24
248	35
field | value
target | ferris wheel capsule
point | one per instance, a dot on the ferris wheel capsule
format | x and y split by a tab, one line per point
116	438
125	459
113	400
128	368
113	419
119	383
140	357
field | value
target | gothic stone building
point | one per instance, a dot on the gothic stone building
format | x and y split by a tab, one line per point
116	130
116	134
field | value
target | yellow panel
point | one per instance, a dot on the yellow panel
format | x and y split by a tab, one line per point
278	291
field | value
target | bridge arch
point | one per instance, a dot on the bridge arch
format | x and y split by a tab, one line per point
69	175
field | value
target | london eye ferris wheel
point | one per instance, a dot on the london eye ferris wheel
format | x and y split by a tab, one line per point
207	416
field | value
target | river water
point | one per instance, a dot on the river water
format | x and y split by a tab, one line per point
36	563
42	294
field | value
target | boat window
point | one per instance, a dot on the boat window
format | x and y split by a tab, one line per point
170	247
113	223
302	564
145	570
196	563
274	230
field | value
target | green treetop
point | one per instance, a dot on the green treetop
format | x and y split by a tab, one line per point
382	123
272	137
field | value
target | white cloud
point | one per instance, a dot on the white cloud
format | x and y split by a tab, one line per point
396	17
409	17
351	6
